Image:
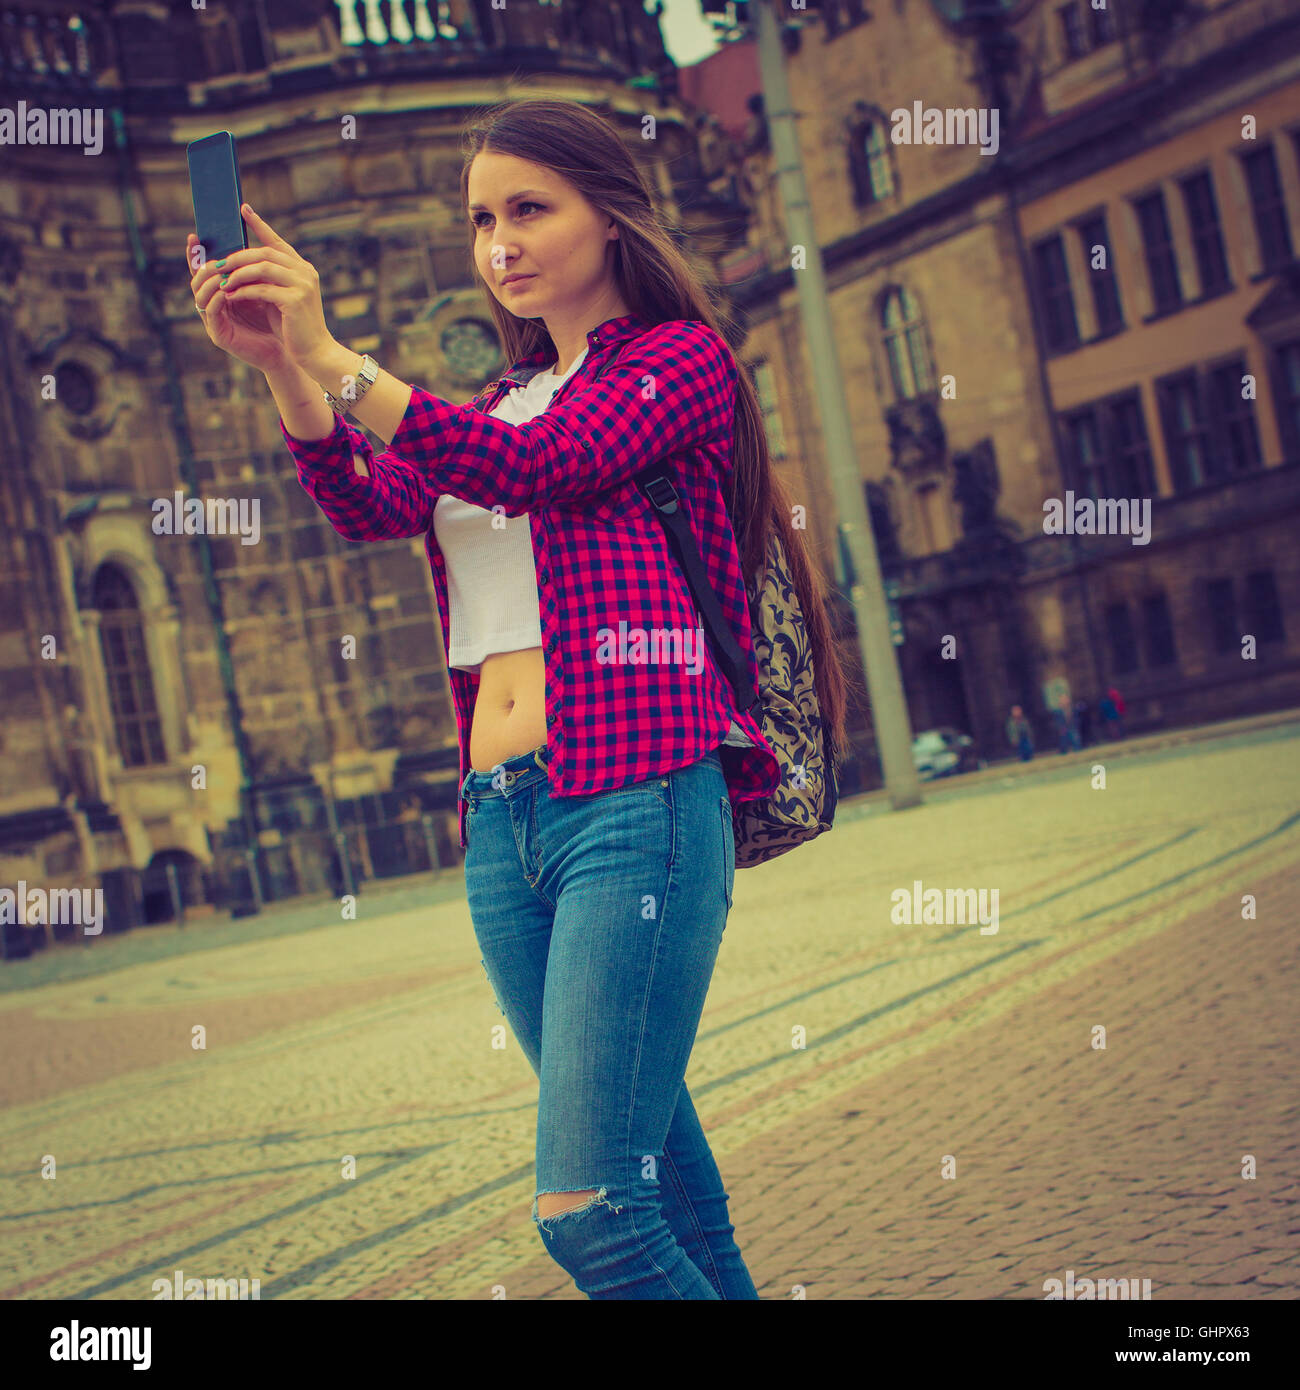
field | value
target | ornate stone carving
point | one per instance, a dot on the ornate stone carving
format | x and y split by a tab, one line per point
916	436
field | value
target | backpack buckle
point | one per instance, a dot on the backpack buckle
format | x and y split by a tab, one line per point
662	493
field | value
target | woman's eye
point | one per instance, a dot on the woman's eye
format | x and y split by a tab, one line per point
480	216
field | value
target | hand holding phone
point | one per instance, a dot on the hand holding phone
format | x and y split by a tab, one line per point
263	304
245	331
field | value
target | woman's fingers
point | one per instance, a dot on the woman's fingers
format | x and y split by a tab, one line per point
268	272
266	233
280	296
209	297
238	260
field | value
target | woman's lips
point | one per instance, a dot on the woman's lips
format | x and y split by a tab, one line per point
523	280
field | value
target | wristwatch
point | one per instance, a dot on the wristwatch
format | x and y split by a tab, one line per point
365	378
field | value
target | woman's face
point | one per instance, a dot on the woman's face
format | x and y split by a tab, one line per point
552	234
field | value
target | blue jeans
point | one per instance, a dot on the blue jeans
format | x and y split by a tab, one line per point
599	920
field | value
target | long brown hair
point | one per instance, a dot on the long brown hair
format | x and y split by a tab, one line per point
659	285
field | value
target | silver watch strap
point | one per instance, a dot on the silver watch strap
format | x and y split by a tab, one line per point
365	378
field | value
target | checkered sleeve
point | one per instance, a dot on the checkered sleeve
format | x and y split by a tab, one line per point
394	502
668	391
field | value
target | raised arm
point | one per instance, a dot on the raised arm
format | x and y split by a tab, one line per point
668	390
364	497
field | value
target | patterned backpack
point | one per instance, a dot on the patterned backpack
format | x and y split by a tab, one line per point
789	713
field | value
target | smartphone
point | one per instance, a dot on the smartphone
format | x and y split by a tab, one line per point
216	195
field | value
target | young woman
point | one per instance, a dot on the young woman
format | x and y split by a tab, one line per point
600	753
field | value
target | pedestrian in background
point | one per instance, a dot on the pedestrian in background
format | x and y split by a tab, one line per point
1019	735
1083	721
1109	717
1120	710
1061	727
1069	729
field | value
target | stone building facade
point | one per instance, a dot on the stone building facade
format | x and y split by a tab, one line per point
182	719
1092	296
178	707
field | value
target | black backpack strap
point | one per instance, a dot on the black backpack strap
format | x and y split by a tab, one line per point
656	485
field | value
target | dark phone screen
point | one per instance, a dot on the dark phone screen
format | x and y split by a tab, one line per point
214	189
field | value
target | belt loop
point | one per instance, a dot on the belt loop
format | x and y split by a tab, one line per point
539	755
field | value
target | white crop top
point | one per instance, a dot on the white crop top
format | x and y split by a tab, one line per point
492	598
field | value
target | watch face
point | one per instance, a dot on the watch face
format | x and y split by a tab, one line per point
470	347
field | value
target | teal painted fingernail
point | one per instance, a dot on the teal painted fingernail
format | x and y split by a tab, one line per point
224	278
220	264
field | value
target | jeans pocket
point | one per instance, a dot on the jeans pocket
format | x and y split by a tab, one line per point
656	786
728	851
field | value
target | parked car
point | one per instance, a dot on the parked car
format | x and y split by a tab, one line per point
944	753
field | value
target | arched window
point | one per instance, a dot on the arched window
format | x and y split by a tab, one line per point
873	178
126	670
910	368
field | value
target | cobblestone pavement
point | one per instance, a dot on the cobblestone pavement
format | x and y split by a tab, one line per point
926	1045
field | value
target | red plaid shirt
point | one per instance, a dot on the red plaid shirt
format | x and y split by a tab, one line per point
602	557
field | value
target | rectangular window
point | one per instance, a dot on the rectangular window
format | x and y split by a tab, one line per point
130	689
1288	398
1132	473
879	175
1105	288
1236	435
1103	26
1263	611
1222	608
1109	454
1159	630
1268	208
1072	35
1186	433
1158	245
1057	301
920	359
1207	235
1119	630
1088	467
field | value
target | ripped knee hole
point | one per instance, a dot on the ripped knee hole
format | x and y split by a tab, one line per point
579	1201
